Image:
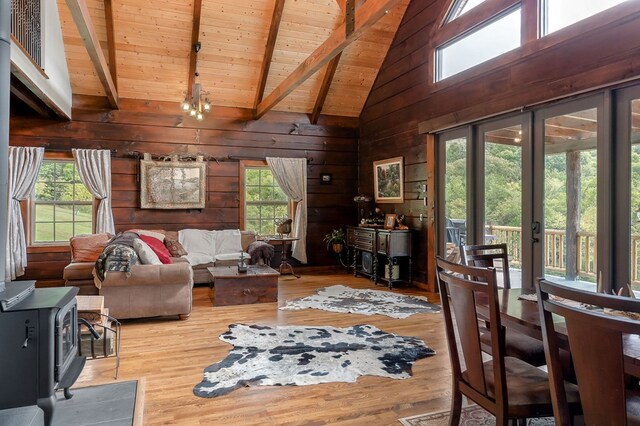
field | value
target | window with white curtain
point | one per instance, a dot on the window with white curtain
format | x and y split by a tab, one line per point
61	205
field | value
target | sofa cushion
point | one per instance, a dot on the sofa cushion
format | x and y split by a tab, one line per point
175	248
158	248
145	253
150	275
78	271
231	256
158	235
87	248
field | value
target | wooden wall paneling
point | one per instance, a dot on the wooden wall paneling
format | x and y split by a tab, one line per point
153	127
403	102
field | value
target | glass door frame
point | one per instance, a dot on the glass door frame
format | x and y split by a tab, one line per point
605	183
441	163
621	211
524	120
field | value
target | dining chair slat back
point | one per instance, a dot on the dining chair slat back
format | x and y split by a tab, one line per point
596	344
458	285
485	256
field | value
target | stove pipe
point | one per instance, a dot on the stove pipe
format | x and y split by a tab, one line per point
5	76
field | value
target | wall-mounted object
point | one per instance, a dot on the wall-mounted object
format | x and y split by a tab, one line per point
326	179
172	184
388	180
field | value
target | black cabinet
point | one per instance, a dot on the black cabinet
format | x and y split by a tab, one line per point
380	253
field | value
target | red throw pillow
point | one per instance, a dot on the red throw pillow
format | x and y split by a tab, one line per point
158	247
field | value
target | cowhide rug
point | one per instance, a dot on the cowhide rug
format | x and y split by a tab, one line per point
297	355
339	298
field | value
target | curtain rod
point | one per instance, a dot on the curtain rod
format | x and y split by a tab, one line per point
189	156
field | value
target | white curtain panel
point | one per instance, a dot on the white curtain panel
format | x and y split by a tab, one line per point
94	168
291	174
24	166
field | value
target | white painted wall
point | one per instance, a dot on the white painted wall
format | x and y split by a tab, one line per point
55	90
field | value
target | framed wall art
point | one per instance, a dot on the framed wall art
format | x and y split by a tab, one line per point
172	184
388	180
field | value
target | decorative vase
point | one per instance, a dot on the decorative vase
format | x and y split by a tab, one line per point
337	248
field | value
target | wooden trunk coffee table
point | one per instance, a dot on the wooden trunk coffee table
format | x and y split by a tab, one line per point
230	287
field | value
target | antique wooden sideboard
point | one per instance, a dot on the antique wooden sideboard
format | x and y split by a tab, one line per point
376	253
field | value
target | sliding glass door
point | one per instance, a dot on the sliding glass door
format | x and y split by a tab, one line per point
454	192
569	181
559	185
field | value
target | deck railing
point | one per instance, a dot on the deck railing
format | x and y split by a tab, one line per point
555	246
26	27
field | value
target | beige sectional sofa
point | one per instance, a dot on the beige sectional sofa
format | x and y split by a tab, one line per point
148	290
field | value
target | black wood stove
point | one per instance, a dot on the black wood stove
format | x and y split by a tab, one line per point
38	345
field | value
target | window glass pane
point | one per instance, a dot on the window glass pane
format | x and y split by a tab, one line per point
266	193
460	7
282	211
635	194
570	197
65	172
491	40
64	191
455	190
82	228
253	193
64	231
82	193
503	195
44	232
562	13
266	177
83	212
252	176
44	213
64	213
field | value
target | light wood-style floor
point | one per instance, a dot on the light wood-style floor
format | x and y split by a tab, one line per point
172	354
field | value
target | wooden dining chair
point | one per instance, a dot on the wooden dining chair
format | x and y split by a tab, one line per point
517	344
485	256
596	345
507	387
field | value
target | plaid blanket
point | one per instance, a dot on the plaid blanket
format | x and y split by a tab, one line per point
118	256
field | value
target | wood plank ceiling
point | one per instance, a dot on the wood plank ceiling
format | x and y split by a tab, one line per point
153	45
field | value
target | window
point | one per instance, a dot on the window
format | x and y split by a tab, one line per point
492	39
265	202
62	206
558	14
460	7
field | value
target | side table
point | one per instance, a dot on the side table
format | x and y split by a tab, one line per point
285	267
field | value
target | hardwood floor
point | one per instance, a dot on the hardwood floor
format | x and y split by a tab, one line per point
172	354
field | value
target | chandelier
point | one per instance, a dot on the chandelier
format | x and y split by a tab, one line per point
196	102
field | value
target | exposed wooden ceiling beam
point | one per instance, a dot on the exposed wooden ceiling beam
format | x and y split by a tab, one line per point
348	7
111	41
324	88
82	18
195	37
366	16
268	52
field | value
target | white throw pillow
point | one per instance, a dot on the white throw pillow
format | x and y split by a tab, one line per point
145	253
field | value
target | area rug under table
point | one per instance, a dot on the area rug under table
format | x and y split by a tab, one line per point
473	415
340	298
298	355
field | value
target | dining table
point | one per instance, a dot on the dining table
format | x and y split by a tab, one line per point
524	315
